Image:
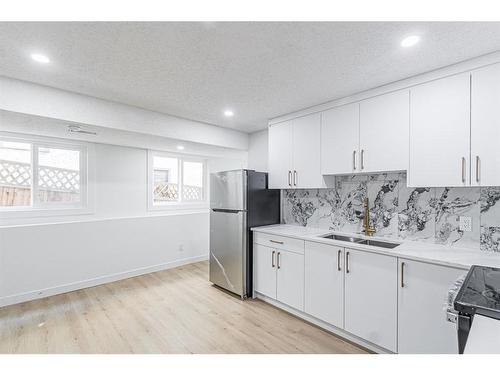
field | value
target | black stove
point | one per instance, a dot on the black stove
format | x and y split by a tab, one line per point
479	294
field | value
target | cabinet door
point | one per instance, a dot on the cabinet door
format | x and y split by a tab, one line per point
324	283
264	270
340	140
485	126
384	132
306	152
280	155
422	326
371	297
440	132
290	284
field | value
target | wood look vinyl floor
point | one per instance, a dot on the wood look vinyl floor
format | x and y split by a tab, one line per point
172	311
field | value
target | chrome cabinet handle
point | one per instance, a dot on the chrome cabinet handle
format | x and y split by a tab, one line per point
478	169
347	270
362	159
339	253
354	160
279	258
274	241
463	169
402	274
295	178
272	258
289	178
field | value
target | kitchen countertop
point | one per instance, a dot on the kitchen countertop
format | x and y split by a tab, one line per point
414	250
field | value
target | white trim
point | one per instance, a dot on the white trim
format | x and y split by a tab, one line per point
87	177
327	327
65	288
93	219
458	68
179	205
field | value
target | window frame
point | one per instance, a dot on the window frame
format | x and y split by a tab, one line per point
37	208
180	204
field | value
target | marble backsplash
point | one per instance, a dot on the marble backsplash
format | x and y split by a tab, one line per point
397	211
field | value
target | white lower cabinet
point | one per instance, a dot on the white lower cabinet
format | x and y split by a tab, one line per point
394	303
279	274
264	268
290	279
422	325
324	282
371	297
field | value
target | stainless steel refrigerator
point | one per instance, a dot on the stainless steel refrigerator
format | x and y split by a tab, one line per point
239	200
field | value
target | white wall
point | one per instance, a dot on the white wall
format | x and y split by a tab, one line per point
46	259
120	238
258	151
29	98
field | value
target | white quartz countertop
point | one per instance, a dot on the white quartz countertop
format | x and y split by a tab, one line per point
414	250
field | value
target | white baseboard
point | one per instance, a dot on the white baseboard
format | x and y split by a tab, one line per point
42	293
328	327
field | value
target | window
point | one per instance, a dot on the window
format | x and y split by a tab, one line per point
175	180
35	174
16	174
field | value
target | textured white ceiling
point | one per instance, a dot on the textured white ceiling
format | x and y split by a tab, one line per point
260	70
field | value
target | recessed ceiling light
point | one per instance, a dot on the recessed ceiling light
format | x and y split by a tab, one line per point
228	113
410	41
38	57
180	147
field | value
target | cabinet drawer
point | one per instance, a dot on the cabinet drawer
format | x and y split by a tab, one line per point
279	242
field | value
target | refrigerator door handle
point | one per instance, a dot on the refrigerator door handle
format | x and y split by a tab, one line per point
227	211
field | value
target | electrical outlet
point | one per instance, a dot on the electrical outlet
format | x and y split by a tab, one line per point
466	223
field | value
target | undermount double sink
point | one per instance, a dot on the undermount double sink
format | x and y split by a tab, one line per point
361	241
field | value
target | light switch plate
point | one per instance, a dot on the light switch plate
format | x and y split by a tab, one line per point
466	223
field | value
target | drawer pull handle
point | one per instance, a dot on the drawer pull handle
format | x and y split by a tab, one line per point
347	270
402	274
272	258
463	170
339	253
274	241
478	169
279	260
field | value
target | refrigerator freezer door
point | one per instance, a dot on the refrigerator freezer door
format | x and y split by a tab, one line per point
228	190
228	250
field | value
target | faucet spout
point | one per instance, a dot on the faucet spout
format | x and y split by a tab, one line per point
366	219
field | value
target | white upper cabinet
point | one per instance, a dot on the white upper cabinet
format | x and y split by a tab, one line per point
340	140
280	155
383	130
485	126
440	132
444	132
306	152
294	153
422	324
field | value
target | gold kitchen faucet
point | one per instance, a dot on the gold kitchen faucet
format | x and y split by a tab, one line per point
366	219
